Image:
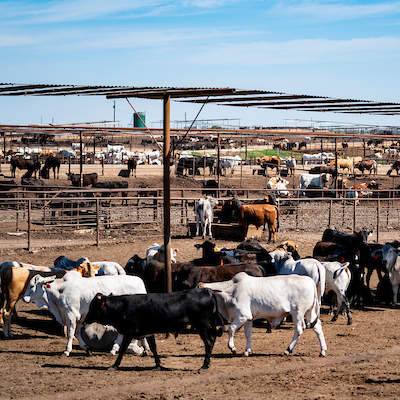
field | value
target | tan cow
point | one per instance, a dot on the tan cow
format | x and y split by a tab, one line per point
344	163
259	214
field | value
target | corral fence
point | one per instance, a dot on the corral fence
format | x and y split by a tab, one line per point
44	218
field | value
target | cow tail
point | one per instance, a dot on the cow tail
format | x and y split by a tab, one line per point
315	309
277	218
218	320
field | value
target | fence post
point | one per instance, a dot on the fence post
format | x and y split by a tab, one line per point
378	220
29	225
354	215
97	222
330	214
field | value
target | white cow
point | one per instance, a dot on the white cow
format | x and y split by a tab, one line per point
17	264
338	277
68	298
246	298
156	252
230	163
280	186
312	181
100	267
391	259
286	265
204	215
317	158
290	163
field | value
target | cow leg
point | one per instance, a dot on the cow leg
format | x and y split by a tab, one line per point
233	327
78	335
124	345
248	330
197	225
71	327
7	315
320	335
298	330
208	336
152	343
395	288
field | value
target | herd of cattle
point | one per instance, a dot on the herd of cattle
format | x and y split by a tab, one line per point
111	308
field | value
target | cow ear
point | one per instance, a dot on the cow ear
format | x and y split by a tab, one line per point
99	296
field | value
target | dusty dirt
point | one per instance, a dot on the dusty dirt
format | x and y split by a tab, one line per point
362	359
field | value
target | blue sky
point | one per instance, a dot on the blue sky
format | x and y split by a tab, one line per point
345	49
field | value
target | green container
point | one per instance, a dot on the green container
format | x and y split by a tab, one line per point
137	123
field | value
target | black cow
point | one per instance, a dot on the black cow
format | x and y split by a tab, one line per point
53	163
143	315
230	211
209	187
112	185
212	257
88	179
345	239
185	165
32	166
132	164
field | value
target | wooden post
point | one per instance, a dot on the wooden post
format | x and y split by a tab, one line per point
330	214
354	214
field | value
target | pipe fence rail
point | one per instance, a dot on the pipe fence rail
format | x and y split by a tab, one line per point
33	218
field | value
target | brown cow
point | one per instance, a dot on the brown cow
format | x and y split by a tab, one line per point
395	166
368	165
259	214
33	166
88	179
271	162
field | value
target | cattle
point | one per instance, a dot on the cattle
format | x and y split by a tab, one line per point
317	158
14	281
290	163
32	166
310	181
344	163
228	163
390	258
367	165
279	185
346	239
286	265
338	277
190	276
68	298
211	256
87	179
132	164
230	211
104	267
270	162
63	262
291	248
186	165
204	215
394	167
53	163
324	169
141	316
156	252
209	187
106	338
34	182
245	298
112	185
259	214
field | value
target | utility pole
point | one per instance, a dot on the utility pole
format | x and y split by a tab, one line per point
114	112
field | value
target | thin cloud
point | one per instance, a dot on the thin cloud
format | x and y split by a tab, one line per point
299	52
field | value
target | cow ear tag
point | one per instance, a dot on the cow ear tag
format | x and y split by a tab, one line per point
48	286
102	304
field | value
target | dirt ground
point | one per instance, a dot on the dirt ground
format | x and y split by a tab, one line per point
362	359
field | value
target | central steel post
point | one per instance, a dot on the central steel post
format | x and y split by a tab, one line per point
167	193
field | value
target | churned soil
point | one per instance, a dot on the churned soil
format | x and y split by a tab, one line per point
362	360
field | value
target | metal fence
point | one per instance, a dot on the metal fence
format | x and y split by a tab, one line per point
38	219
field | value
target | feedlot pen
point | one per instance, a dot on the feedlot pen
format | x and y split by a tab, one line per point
42	219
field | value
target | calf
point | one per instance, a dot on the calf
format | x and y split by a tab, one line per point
245	298
156	252
338	277
391	259
68	299
204	215
141	316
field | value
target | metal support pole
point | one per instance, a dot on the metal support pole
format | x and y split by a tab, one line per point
167	193
378	217
97	222
80	160
29	225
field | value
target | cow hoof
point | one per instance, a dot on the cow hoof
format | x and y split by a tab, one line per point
247	352
287	352
233	350
322	354
334	318
349	321
66	353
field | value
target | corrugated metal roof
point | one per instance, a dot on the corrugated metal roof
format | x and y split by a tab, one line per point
220	96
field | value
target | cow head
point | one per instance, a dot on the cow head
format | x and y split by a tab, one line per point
97	310
36	290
